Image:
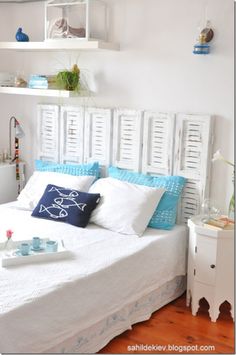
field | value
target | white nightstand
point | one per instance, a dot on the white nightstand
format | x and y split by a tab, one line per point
210	267
8	182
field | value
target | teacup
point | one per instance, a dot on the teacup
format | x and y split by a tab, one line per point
36	242
51	246
24	248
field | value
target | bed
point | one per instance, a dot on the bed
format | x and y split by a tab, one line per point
110	280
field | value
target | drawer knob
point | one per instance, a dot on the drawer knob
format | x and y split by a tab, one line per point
213	266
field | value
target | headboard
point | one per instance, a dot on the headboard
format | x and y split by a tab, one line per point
141	141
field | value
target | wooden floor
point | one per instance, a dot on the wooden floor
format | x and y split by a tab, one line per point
174	325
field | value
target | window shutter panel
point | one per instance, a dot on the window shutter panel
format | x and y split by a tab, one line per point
98	128
48	132
72	135
192	159
127	139
158	138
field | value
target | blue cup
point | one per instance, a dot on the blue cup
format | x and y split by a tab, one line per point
24	248
51	246
36	242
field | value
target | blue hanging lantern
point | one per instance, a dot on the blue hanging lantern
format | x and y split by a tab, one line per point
202	47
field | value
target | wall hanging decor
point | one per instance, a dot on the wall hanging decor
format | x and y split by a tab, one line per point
205	36
76	19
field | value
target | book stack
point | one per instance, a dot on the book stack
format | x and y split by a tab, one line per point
221	223
42	82
38	82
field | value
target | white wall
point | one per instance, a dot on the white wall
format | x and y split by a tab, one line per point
155	68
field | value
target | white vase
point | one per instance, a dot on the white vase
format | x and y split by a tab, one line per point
231	207
8	245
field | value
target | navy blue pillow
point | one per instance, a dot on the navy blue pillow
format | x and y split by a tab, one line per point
66	205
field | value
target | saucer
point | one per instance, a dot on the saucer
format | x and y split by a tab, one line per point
37	249
18	253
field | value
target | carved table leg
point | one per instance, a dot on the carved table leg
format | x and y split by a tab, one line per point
195	306
188	297
232	310
214	313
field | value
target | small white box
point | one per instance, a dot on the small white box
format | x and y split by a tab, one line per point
77	19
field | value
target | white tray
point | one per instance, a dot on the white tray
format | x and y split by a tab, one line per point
15	243
11	258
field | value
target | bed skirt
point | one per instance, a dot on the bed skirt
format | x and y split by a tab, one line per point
93	339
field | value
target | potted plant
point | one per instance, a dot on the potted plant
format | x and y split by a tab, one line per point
68	79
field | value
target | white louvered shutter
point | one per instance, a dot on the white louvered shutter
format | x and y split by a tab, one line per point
72	135
98	128
127	139
158	143
48	132
193	149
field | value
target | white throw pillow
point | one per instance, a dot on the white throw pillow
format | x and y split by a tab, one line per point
38	182
125	208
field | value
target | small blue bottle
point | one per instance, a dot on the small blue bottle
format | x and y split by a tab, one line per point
21	37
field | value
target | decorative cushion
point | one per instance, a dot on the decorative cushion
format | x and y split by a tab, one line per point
71	169
37	183
164	216
125	208
66	205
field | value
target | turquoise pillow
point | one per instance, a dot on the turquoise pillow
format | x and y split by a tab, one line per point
71	169
164	216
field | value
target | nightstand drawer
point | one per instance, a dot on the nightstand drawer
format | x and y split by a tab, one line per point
206	260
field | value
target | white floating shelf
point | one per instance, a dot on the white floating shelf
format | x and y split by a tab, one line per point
59	45
43	92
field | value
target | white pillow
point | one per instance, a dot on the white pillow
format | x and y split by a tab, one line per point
38	182
125	208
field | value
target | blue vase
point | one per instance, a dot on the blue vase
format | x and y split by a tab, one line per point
21	37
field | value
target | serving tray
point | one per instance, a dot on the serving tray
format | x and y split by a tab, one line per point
14	244
13	257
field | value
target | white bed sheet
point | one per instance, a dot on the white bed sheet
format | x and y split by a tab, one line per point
45	303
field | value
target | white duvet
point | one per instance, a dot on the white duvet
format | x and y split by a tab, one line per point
45	303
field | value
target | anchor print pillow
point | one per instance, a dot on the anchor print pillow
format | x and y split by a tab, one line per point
66	205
